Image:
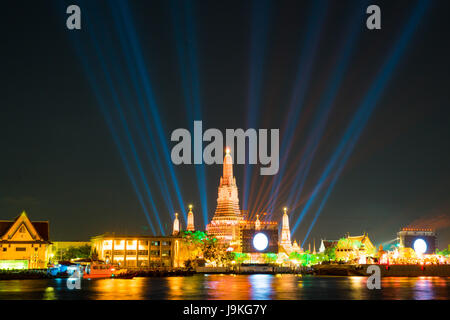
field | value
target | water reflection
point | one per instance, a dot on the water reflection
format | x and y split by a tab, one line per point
183	287
227	287
238	287
107	289
357	286
284	287
424	289
260	286
49	294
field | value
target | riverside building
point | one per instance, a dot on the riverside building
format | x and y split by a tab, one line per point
138	251
24	243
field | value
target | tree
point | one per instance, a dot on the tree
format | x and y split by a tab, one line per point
270	257
445	252
198	244
321	256
304	259
330	253
192	243
94	254
295	256
240	257
72	252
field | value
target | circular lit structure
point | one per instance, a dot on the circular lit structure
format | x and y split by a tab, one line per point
420	246
260	241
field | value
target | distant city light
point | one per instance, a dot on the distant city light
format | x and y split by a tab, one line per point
260	241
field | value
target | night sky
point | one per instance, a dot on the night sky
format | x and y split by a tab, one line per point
231	64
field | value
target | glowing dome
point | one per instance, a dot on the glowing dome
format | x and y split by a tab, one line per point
420	246
260	241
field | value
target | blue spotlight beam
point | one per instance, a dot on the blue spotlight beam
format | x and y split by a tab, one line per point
153	159
369	103
326	104
190	82
258	47
108	118
116	101
140	66
303	76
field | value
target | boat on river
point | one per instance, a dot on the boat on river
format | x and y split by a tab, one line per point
97	269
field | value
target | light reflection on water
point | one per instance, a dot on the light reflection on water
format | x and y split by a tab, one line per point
233	287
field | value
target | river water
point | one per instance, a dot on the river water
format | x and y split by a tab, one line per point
233	287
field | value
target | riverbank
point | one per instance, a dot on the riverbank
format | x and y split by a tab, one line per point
386	270
253	269
24	274
161	273
318	270
43	274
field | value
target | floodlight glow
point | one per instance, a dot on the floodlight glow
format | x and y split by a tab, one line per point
260	241
420	246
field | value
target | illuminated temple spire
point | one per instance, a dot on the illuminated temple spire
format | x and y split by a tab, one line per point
257	223
190	223
285	231
176	225
227	177
225	223
296	248
228	201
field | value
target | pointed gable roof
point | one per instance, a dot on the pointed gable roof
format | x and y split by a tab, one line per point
364	239
329	243
38	229
42	229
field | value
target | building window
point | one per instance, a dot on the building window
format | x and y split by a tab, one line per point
143	252
155	253
118	242
155	243
21	249
166	253
118	252
166	243
143	243
131	252
129	242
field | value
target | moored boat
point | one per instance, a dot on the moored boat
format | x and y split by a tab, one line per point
97	269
